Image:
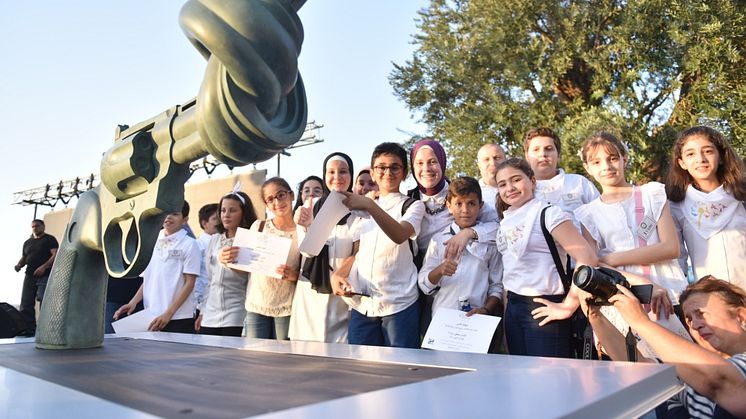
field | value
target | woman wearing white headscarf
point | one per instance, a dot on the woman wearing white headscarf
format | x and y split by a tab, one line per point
317	314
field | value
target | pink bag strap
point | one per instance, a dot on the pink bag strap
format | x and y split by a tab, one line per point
639	216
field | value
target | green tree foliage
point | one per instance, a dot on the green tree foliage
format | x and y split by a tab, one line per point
487	71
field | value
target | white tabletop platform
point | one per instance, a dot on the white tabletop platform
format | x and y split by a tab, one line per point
492	386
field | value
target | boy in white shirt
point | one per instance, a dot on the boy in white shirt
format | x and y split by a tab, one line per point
168	280
542	150
208	221
380	281
477	274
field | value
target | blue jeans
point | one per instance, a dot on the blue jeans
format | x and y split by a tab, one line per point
524	335
266	327
400	329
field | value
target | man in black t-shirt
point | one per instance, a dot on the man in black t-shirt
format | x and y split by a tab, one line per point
38	255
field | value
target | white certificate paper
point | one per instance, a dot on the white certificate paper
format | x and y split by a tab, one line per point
323	223
260	253
451	330
135	322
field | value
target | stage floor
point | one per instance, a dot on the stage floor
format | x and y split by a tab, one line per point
192	376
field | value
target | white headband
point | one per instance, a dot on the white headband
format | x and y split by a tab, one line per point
235	191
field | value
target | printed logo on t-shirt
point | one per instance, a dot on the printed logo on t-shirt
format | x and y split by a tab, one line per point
646	227
572	200
513	235
174	254
502	245
706	210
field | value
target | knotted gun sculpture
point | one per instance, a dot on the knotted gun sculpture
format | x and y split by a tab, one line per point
251	105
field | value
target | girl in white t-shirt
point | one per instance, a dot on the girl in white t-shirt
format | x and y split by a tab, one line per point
222	312
707	187
631	226
269	299
534	287
317	314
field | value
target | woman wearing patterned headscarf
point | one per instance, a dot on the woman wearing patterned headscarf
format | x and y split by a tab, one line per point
319	315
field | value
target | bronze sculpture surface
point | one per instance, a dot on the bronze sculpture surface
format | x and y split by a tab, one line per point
251	105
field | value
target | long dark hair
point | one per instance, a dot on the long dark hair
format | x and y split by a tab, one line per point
248	214
515	163
730	172
299	198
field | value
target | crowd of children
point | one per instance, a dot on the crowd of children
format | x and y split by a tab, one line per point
507	242
504	241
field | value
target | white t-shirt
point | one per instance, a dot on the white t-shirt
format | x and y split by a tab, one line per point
566	190
383	269
200	285
614	227
225	295
713	226
435	222
489	197
173	256
528	265
478	275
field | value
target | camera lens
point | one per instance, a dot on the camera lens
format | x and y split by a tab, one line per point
583	276
600	284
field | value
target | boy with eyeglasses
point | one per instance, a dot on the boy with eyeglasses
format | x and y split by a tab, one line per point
380	281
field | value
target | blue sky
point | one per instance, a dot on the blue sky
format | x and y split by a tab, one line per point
71	71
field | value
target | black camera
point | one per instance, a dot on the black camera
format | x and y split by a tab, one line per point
601	283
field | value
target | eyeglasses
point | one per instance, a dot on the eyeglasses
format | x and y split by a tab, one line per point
279	196
393	169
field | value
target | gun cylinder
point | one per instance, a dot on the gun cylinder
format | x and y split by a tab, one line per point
252	102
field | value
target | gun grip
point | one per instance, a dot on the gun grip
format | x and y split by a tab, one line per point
72	311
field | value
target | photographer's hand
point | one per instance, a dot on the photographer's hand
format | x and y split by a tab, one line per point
629	307
660	303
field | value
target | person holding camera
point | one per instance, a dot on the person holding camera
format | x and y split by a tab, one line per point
713	369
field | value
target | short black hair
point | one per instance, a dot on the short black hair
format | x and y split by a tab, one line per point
206	212
391	148
36	220
463	186
185	209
